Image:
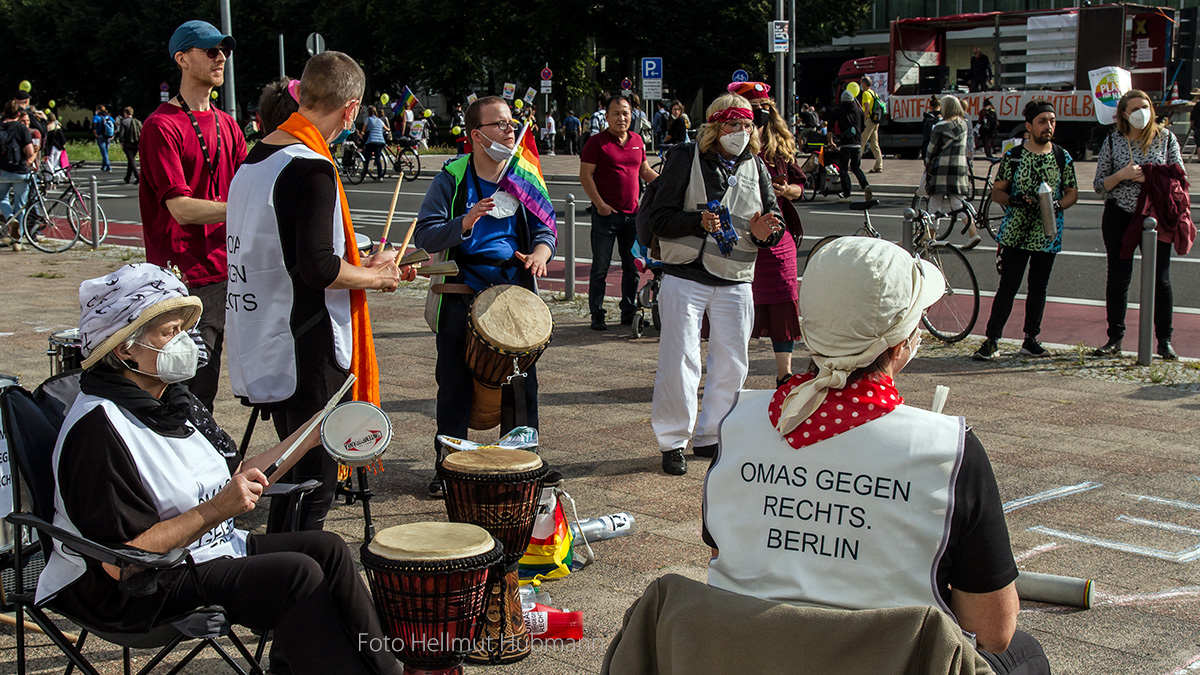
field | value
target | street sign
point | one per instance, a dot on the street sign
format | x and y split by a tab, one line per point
780	36
652	68
315	44
627	83
164	96
164	87
651	90
740	75
547	74
530	94
547	86
510	90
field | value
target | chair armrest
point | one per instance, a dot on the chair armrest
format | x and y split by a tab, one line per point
119	556
284	489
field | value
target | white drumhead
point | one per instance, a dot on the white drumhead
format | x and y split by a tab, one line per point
431	541
512	318
356	432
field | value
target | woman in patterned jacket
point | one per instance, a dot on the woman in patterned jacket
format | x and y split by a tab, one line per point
948	165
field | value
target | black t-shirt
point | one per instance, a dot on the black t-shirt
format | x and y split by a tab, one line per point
978	556
305	196
677	130
23	137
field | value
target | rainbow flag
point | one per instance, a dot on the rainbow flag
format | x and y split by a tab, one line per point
408	99
523	180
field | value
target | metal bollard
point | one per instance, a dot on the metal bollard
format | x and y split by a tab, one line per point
1146	308
906	229
569	241
93	209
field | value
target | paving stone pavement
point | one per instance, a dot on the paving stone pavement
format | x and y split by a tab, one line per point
1127	440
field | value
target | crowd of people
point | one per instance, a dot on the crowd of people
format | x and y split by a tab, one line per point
251	255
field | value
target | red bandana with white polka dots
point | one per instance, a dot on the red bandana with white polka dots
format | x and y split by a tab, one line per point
867	399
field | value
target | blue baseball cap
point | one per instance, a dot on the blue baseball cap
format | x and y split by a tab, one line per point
200	34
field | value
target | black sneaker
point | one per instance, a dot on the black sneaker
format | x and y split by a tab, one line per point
674	463
987	351
704	450
1032	347
1110	348
1166	352
437	489
598	323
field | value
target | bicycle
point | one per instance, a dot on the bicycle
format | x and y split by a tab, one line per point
50	225
73	197
356	172
985	216
404	158
952	317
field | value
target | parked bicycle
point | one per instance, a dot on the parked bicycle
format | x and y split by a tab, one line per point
403	158
985	216
821	173
48	224
953	317
49	180
350	162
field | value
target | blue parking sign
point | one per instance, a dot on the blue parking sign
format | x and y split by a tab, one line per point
652	68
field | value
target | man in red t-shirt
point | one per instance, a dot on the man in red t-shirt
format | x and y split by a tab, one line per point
190	151
610	165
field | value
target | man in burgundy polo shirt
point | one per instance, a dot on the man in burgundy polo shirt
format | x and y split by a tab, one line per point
190	151
609	168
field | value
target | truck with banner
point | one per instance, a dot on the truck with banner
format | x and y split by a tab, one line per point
1044	54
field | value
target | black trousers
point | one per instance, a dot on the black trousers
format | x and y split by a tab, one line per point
304	585
212	330
1012	271
619	228
850	159
1116	289
1024	656
571	140
131	171
456	385
315	464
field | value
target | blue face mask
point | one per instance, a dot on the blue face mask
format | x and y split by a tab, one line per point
341	137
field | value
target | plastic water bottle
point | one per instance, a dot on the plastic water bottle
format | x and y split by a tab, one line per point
604	527
548	623
530	595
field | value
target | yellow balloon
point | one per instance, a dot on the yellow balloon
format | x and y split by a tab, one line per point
456	130
427	113
47	111
519	104
384	99
214	94
853	89
51	103
24	86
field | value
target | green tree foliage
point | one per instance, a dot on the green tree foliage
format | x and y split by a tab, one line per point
114	51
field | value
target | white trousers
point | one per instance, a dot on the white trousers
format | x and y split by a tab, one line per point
682	305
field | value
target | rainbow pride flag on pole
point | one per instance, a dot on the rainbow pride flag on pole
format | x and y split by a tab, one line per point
408	100
523	180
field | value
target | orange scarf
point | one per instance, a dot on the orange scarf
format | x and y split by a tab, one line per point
362	363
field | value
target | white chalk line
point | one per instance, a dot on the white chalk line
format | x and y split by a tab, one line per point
1185	555
1191	666
1165	501
1038	550
1052	493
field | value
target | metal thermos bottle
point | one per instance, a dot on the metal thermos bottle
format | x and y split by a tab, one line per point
1046	202
604	527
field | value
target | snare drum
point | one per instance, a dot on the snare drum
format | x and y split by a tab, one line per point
65	351
497	490
356	433
510	328
429	581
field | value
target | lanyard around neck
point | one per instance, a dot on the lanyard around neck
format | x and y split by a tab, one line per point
211	163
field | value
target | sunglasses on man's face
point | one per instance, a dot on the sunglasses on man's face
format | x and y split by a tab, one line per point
212	52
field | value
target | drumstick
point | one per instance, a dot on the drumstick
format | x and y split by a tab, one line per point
387	225
408	237
311	425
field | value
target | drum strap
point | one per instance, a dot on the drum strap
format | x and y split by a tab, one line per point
512	405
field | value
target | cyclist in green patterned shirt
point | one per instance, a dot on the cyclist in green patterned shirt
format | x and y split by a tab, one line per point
1023	240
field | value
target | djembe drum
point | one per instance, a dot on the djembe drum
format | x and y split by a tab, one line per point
429	582
498	491
510	328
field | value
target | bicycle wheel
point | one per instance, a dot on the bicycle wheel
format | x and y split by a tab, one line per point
410	163
820	242
810	187
85	220
51	225
990	216
357	171
952	318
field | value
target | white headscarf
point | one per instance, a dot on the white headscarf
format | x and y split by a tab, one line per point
113	306
860	296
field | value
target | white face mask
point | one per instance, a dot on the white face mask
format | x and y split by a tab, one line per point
736	142
496	150
177	360
1139	118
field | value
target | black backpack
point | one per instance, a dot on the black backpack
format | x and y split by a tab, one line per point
11	157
